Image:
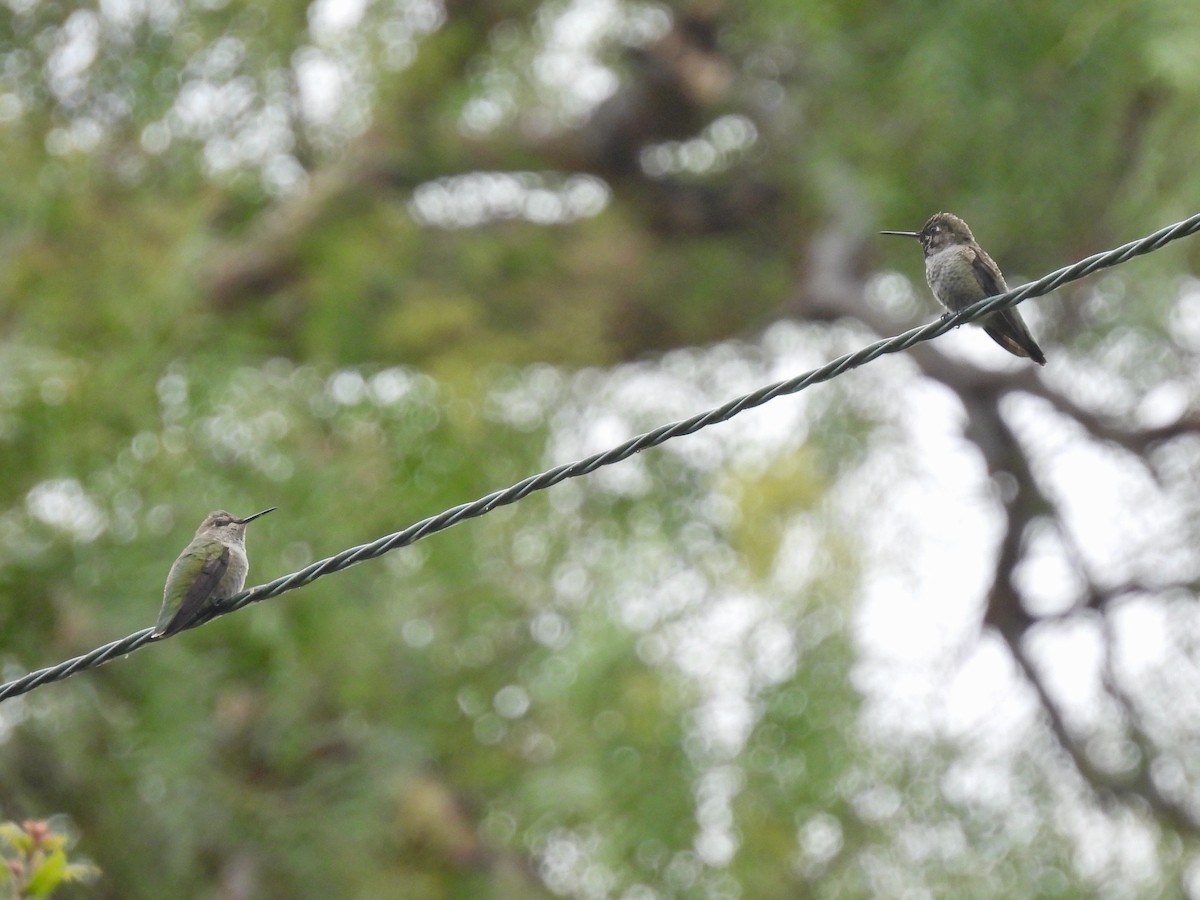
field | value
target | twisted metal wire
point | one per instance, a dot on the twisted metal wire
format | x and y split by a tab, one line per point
551	477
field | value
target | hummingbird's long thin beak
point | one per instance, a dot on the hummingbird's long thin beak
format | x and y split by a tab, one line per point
256	515
903	233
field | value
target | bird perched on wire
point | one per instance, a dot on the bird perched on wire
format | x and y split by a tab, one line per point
960	273
210	569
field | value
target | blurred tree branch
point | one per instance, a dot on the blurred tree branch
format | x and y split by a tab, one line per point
670	88
833	287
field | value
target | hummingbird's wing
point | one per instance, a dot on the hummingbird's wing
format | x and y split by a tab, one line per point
1005	326
190	585
1009	330
986	272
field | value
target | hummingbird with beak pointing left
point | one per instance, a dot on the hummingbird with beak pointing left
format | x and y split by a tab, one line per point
210	569
960	273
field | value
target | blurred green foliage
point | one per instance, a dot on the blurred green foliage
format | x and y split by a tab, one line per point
36	863
211	297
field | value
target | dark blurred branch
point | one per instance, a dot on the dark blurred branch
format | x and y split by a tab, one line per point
1137	440
1007	615
266	260
266	257
833	287
1004	455
1138	785
1141	779
670	88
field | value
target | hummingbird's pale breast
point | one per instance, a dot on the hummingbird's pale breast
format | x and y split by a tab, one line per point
234	578
952	278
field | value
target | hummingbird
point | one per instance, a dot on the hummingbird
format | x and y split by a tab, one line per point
959	273
210	569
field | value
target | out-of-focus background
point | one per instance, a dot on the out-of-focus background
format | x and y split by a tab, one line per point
929	630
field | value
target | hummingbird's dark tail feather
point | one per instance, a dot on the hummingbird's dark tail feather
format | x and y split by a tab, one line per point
1007	329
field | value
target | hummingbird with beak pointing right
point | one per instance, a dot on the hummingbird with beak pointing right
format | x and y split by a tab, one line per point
960	273
210	569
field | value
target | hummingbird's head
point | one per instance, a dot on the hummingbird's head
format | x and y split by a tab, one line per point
941	231
226	525
944	230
